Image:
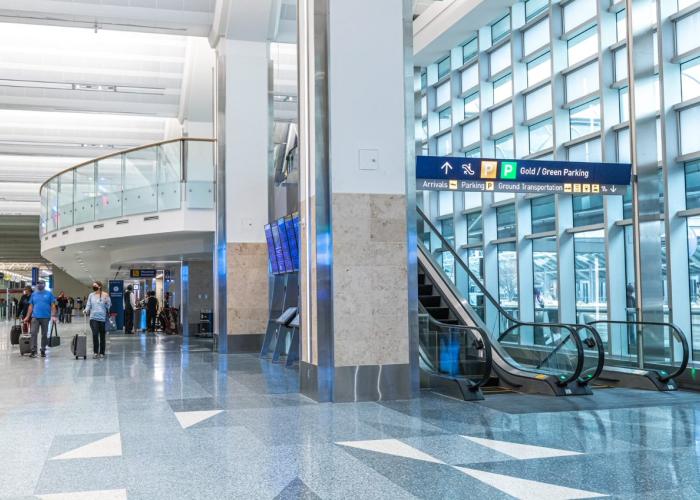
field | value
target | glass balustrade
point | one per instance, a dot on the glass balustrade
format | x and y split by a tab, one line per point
166	176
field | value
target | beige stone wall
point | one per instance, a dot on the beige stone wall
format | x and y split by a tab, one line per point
247	288
370	281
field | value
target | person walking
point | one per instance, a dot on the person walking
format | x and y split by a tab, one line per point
151	312
97	307
69	310
41	310
62	301
129	306
23	306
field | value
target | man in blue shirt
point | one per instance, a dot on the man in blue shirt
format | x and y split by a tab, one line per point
42	308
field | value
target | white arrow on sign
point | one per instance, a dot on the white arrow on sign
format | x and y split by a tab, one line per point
613	189
446	167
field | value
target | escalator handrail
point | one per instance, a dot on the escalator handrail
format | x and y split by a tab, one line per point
675	330
601	350
572	334
488	356
473	276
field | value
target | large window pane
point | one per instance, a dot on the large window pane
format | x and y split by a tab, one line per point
687	30
623	95
502	88
578	12
536	37
624	153
546	288
424	106
541	136
470	133
500	29
534	7
584	119
586	151
590	265
444	144
582	82
542	214
620	56
470	77
445	118
169	176
621	24
505	218
85	194
539	69
690	138
538	102
444	67
472	200
507	276
587	210
470	49
65	199
690	79
471	105
582	46
445	202
442	93
505	148
694	276
692	185
140	170
502	118
108	201
475	230
500	59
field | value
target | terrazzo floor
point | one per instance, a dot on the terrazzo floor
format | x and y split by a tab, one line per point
163	418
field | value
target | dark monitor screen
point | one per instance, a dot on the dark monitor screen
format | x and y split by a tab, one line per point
293	241
285	240
297	230
278	248
271	250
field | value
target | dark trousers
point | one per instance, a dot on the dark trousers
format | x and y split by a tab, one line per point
61	314
151	317
128	321
43	324
98	336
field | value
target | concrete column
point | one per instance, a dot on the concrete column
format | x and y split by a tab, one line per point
358	264
243	123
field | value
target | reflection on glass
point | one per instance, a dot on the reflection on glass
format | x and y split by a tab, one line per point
507	276
200	174
471	105
505	147
502	88
590	266
545	292
539	69
108	198
543	214
470	49
52	204
534	7
588	210
475	230
541	136
500	29
582	46
505	218
140	170
585	119
444	67
169	175
694	276
65	199
445	118
85	193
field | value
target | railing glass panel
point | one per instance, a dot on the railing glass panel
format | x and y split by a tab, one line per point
140	179
108	198
42	213
169	175
84	210
65	199
52	203
200	174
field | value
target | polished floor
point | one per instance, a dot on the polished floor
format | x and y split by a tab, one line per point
163	419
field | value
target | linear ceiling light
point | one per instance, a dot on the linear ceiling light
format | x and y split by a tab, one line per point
5	82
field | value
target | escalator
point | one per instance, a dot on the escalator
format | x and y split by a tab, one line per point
450	293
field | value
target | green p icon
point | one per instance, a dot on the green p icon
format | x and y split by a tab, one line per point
509	170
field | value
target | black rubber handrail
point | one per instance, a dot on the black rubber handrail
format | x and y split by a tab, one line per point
485	345
477	282
675	330
573	333
598	341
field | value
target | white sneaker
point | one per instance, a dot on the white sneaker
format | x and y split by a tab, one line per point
95	356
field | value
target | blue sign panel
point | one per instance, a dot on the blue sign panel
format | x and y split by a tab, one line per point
293	241
449	173
286	251
35	275
271	250
143	273
278	248
116	295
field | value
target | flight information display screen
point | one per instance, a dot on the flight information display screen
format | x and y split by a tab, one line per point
286	243
293	241
278	248
271	250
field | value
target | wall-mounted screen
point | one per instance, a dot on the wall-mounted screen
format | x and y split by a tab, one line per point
293	241
271	250
285	240
278	248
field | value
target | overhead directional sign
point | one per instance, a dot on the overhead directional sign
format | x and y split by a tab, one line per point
449	173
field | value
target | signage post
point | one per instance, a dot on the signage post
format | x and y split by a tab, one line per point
116	295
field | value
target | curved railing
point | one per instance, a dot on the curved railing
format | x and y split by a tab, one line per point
663	352
167	175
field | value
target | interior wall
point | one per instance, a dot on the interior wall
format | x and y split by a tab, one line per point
69	285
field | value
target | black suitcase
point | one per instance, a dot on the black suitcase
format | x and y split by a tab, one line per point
15	332
25	344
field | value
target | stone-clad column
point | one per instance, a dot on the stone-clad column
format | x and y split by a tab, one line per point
357	197
244	115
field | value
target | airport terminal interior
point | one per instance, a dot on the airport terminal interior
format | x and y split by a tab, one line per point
330	249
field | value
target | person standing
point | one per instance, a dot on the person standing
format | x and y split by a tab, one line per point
69	310
129	306
97	306
151	312
23	306
62	303
42	308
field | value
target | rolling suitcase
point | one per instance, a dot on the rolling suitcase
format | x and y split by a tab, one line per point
15	332
78	346
25	344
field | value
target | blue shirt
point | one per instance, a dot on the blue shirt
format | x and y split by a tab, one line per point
98	306
41	301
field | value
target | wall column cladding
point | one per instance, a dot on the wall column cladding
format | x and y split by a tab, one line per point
246	115
356	136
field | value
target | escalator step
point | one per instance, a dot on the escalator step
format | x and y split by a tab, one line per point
421	279
425	289
439	313
430	300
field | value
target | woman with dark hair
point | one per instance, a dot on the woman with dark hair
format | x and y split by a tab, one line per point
97	306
